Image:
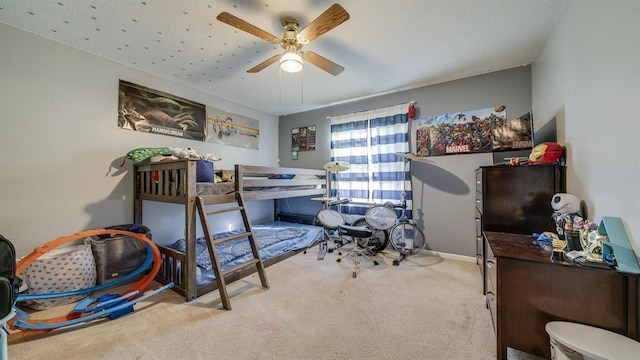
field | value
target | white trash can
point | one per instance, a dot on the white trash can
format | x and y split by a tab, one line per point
571	341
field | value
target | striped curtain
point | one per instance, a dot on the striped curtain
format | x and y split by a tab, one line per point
367	141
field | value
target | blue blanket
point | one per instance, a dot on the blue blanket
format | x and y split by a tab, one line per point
272	239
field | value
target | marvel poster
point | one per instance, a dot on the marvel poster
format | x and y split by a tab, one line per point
462	132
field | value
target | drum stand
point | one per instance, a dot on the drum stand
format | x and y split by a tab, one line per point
327	203
323	245
358	252
405	226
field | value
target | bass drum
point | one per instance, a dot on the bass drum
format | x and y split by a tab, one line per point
378	242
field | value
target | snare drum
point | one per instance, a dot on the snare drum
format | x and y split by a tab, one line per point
381	217
330	219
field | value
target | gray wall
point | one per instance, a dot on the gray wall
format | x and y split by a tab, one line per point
444	192
62	148
587	77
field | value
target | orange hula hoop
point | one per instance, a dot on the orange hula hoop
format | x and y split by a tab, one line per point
143	283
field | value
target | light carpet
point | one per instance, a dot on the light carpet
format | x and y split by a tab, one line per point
429	307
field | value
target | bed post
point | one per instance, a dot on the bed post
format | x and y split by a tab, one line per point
189	180
137	203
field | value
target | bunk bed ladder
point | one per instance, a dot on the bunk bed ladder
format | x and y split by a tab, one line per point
213	253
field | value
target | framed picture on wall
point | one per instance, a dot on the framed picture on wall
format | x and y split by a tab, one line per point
303	138
148	110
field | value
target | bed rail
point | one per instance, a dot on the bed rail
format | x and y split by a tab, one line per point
175	182
255	183
172	270
167	181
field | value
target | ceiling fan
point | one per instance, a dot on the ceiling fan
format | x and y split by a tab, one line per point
293	40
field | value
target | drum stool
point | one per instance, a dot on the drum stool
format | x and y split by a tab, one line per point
357	252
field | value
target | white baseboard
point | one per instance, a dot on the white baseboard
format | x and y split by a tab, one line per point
451	256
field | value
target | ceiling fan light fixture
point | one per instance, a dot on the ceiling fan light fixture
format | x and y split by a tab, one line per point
291	62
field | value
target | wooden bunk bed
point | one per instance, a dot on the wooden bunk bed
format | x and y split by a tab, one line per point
175	182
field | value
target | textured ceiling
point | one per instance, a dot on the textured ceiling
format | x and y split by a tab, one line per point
385	46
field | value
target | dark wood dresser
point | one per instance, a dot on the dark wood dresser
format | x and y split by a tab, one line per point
514	199
525	290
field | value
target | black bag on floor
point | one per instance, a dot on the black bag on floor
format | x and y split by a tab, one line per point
9	282
119	255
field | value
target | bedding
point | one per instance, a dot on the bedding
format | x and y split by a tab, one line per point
273	239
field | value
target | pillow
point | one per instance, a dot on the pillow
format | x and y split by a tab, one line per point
281	176
62	269
204	171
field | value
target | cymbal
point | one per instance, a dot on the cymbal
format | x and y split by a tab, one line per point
336	166
413	157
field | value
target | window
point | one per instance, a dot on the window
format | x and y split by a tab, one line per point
368	142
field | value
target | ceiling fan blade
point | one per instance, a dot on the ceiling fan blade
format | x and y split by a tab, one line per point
264	64
334	16
238	23
323	63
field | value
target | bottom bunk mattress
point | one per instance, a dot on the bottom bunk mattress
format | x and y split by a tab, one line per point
273	239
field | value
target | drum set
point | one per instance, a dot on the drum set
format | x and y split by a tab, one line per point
370	235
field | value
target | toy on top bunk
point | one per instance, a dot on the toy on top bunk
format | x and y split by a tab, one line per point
204	165
223	176
167	153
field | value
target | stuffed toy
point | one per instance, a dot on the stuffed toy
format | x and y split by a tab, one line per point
166	153
189	153
565	204
223	176
141	154
569	214
546	153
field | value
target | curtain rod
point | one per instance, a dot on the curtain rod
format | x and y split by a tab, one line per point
412	102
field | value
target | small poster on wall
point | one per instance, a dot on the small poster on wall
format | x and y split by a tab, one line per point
515	134
147	110
458	133
303	138
232	129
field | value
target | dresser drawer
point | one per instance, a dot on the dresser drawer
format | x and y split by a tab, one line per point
478	221
490	278
492	305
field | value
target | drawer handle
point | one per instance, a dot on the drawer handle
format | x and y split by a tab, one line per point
491	263
478	201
